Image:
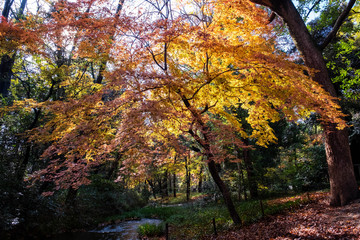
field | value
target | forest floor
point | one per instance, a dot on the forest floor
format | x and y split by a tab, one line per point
313	220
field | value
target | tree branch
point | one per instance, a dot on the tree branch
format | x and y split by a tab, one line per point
337	25
272	17
312	8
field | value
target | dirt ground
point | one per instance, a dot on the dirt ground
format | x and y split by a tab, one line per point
314	220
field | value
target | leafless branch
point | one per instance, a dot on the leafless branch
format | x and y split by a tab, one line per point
311	9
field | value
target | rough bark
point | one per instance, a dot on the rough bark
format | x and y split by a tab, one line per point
343	186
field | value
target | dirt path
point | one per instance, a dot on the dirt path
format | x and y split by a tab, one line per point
316	220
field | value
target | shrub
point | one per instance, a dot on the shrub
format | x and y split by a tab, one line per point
151	230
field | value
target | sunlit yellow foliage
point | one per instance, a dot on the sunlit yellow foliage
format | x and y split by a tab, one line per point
228	59
168	76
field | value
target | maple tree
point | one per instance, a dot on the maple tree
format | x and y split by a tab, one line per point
168	75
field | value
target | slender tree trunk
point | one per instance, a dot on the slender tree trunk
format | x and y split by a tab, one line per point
205	143
22	166
188	187
166	189
239	182
343	186
160	187
151	184
187	179
22	8
225	192
241	185
113	168
103	63
6	65
250	171
200	179
6	10
170	185
7	61
174	185
243	181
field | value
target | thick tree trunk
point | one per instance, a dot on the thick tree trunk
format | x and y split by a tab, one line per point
225	192
343	185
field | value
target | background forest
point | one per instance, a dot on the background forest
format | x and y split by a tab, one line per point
107	106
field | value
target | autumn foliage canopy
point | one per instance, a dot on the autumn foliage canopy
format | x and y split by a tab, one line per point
172	74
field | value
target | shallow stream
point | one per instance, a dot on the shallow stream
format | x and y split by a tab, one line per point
121	231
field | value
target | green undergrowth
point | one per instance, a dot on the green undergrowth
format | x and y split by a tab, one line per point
193	221
151	230
180	198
